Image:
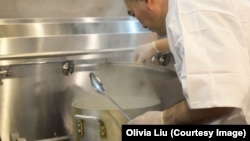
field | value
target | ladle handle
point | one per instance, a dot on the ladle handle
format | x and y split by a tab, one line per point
123	112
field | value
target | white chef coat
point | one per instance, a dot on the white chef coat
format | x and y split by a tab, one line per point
210	41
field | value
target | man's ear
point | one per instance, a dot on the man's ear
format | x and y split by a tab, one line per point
150	4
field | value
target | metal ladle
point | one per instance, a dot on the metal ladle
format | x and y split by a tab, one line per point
98	86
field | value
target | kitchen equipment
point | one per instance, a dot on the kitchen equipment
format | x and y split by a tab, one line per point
97	119
98	86
42	62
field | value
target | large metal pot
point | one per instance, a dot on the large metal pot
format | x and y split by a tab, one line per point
132	86
96	118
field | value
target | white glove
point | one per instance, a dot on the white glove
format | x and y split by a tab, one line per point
150	117
144	52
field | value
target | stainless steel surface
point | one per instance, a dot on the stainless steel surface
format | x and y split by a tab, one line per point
72	45
35	94
38	97
37	91
58	20
96	118
29	38
63	54
28	105
99	87
42	27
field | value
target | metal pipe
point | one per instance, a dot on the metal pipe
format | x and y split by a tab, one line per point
61	54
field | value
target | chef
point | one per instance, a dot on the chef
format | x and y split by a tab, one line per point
210	42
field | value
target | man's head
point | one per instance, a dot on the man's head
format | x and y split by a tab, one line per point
150	13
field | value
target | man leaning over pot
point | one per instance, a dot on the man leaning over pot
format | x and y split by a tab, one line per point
210	42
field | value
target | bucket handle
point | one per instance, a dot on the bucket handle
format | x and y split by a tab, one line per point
80	125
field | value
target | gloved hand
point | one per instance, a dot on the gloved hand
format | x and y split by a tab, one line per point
144	52
150	117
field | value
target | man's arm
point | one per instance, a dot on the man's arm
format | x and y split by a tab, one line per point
180	113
